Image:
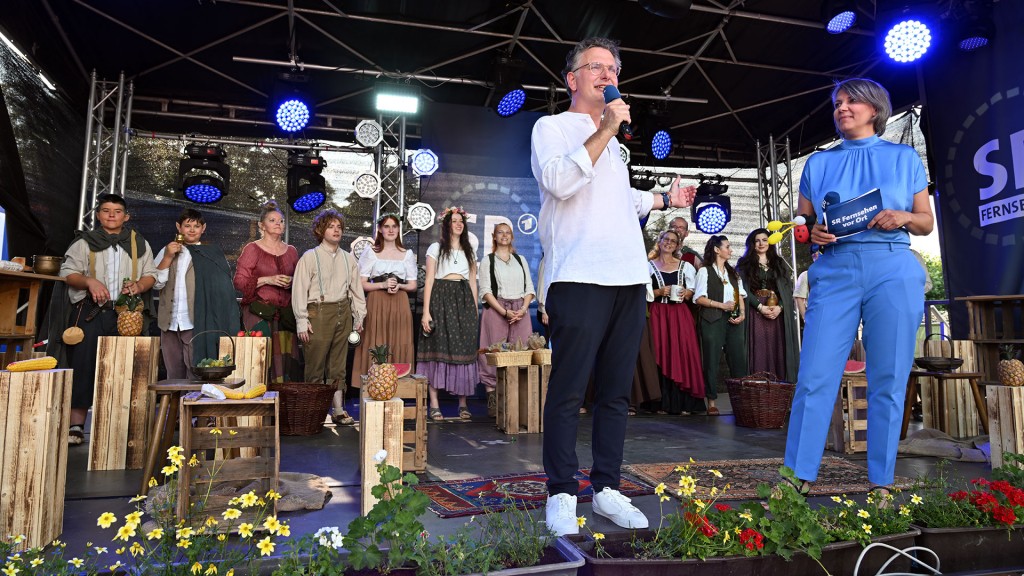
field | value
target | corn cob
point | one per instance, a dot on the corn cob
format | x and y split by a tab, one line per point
256	391
44	363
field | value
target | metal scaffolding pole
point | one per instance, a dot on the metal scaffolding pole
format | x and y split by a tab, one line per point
106	147
390	160
775	185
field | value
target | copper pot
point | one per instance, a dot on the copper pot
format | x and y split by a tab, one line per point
47	264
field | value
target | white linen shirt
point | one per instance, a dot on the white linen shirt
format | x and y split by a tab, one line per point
514	281
727	291
589	216
179	311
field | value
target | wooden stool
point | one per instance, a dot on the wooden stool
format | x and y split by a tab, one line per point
162	428
940	379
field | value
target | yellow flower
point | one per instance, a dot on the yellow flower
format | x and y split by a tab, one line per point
136	549
271	524
867	528
193	461
138	498
216	431
35	562
222	537
231	513
664	498
284	531
915	499
837	499
185	532
152	482
747	516
265	546
271	495
249	499
100	549
863	513
19	538
659	489
700	504
211	522
581	521
177	460
904	511
245	530
184	544
211	569
119	551
232	433
10	570
716	473
134	518
597	536
113	567
842	513
714	491
197	568
230	572
687	485
680	469
849	503
155	534
725	536
125	532
168	470
76	562
175	451
106	519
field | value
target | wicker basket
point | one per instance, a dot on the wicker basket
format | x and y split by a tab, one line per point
542	357
760	400
304	407
522	358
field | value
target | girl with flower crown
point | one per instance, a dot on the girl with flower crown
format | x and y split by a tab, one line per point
388	272
446	353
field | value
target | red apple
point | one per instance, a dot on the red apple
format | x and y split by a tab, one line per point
258	334
241	332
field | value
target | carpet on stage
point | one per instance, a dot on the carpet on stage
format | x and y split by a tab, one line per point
836	476
475	495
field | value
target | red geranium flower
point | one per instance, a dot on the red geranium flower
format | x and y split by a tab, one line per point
752	539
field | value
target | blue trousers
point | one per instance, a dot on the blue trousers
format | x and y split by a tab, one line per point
882	284
592	327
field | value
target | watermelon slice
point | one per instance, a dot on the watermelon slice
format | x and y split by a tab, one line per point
402	370
854	367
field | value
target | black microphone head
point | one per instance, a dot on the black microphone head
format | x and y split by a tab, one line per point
611	93
830	199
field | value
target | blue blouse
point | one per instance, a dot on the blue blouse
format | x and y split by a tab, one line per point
858	166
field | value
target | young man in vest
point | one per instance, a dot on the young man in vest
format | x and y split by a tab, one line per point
95	268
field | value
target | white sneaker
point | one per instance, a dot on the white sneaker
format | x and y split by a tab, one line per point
614	506
560	515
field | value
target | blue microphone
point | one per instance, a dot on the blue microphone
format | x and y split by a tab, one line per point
830	199
612	93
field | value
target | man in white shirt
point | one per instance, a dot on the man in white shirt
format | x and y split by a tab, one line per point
596	271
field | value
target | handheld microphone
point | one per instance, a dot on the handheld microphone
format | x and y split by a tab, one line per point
612	93
830	199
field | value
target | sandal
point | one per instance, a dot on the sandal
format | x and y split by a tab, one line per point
464	413
435	415
76	435
713	411
342	419
803	489
884	494
631	411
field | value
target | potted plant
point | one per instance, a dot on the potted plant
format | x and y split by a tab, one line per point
976	525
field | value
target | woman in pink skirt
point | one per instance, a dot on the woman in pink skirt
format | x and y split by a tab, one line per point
507	290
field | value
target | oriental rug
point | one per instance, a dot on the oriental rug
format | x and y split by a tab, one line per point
495	493
836	476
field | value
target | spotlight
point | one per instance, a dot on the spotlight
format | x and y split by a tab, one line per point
367	185
839	15
907	35
369	133
711	210
203	187
420	216
642	180
307	189
624	153
424	162
290	108
973	31
661	144
507	88
397	98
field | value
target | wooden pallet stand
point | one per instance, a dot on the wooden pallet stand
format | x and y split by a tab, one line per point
121	405
1006	421
992	322
380	426
520	398
959	416
35	410
848	431
252	362
412	390
261	470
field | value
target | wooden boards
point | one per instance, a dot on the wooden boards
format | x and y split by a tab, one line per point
125	366
1006	421
380	425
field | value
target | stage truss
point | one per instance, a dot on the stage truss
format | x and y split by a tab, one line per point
106	149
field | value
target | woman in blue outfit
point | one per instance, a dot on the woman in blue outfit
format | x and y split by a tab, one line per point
870	277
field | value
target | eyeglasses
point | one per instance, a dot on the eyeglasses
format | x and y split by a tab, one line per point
596	68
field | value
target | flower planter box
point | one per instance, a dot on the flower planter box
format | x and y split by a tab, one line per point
836	558
984	548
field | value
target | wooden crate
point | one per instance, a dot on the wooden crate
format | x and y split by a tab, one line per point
412	390
35	411
959	416
380	428
125	366
992	322
261	469
519	400
545	376
1005	421
252	361
848	431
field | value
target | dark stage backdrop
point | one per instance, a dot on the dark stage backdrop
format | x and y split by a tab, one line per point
976	119
485	168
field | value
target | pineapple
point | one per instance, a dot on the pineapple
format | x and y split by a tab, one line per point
382	378
129	320
1011	370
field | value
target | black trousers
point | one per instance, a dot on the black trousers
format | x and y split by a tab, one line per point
592	328
82	356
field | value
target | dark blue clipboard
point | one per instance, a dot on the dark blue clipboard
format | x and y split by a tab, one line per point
852	217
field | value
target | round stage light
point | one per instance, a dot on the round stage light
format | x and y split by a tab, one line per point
369	133
292	115
307	200
203	189
973	43
624	153
360	244
424	162
511	102
420	216
367	185
711	218
907	41
661	144
841	22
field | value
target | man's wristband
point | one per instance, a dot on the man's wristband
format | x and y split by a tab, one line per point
666	200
